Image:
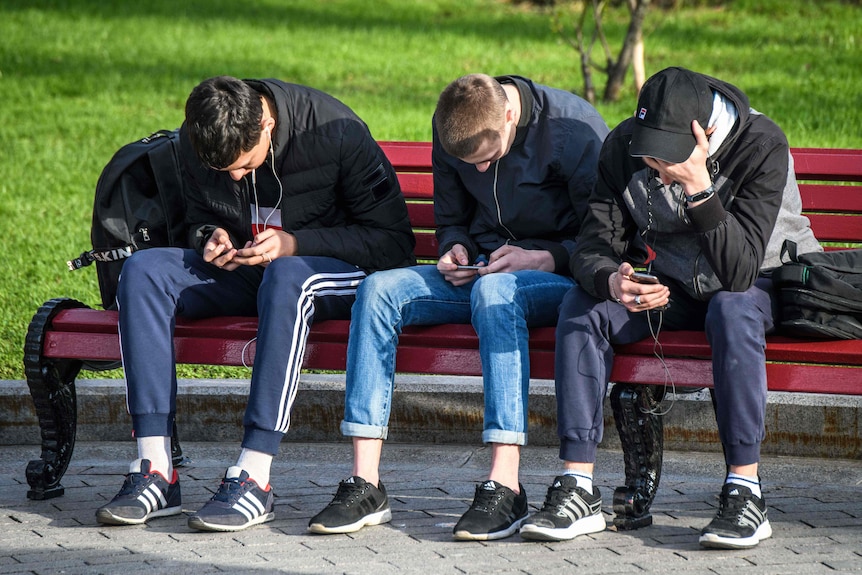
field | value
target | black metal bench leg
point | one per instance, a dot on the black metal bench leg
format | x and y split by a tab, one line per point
177	457
52	387
642	437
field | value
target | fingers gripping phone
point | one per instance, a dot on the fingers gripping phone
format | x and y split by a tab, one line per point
643	278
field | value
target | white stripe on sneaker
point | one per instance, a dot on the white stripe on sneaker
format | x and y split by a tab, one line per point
250	506
253	503
152	498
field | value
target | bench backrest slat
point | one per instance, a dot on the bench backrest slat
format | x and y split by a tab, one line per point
835	208
833	165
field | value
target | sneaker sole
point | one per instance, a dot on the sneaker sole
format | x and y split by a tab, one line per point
713	541
105	516
591	524
467	536
377	518
196	522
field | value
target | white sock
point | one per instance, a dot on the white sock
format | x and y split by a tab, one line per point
257	464
158	450
585	480
752	483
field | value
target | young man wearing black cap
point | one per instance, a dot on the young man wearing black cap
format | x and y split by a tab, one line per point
702	187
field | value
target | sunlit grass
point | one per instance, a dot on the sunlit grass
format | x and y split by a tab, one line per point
79	79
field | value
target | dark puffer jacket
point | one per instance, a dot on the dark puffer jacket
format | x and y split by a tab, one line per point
341	197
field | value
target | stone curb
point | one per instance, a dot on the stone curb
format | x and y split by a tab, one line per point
436	409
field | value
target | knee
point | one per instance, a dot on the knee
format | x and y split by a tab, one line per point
383	288
726	307
141	265
144	270
494	289
576	303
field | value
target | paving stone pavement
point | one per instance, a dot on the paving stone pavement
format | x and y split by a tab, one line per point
815	507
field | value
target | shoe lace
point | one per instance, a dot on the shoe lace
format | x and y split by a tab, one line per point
230	490
731	507
487	500
556	499
134	483
348	493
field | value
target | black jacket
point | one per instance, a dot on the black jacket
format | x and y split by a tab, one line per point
723	243
535	196
341	196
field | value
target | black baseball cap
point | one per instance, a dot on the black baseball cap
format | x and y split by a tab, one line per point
668	102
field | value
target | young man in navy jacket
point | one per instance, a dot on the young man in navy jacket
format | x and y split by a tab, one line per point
514	163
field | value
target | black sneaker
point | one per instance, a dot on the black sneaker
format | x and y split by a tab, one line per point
238	503
497	512
740	522
144	494
356	504
568	511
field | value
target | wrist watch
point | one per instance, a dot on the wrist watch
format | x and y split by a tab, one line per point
706	194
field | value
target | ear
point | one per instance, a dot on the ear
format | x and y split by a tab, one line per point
510	113
268	125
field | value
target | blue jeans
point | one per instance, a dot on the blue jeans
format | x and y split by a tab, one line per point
501	307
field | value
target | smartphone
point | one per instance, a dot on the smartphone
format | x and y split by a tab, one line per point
460	267
642	278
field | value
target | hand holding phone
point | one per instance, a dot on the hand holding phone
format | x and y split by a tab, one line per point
645	278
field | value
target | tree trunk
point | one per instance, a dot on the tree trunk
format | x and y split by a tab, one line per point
617	71
638	68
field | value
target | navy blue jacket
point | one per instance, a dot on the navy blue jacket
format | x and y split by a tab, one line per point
534	197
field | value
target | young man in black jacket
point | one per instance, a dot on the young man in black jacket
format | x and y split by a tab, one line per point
290	205
705	185
514	163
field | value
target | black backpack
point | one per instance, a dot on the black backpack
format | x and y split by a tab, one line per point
139	204
820	293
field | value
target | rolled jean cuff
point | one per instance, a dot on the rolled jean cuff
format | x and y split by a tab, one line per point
742	454
504	437
578	451
349	429
153	425
262	440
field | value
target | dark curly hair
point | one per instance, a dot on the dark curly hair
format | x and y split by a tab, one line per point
223	117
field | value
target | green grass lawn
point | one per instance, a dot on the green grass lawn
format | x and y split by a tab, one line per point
78	79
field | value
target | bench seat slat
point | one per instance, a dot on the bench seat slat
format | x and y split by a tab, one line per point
788	377
693	344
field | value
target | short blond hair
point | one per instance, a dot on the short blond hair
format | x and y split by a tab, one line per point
470	111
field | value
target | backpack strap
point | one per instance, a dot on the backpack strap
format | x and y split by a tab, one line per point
104	255
788	248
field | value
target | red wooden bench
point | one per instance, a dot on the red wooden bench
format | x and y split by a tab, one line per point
66	336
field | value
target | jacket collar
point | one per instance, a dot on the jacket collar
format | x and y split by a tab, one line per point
526	106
